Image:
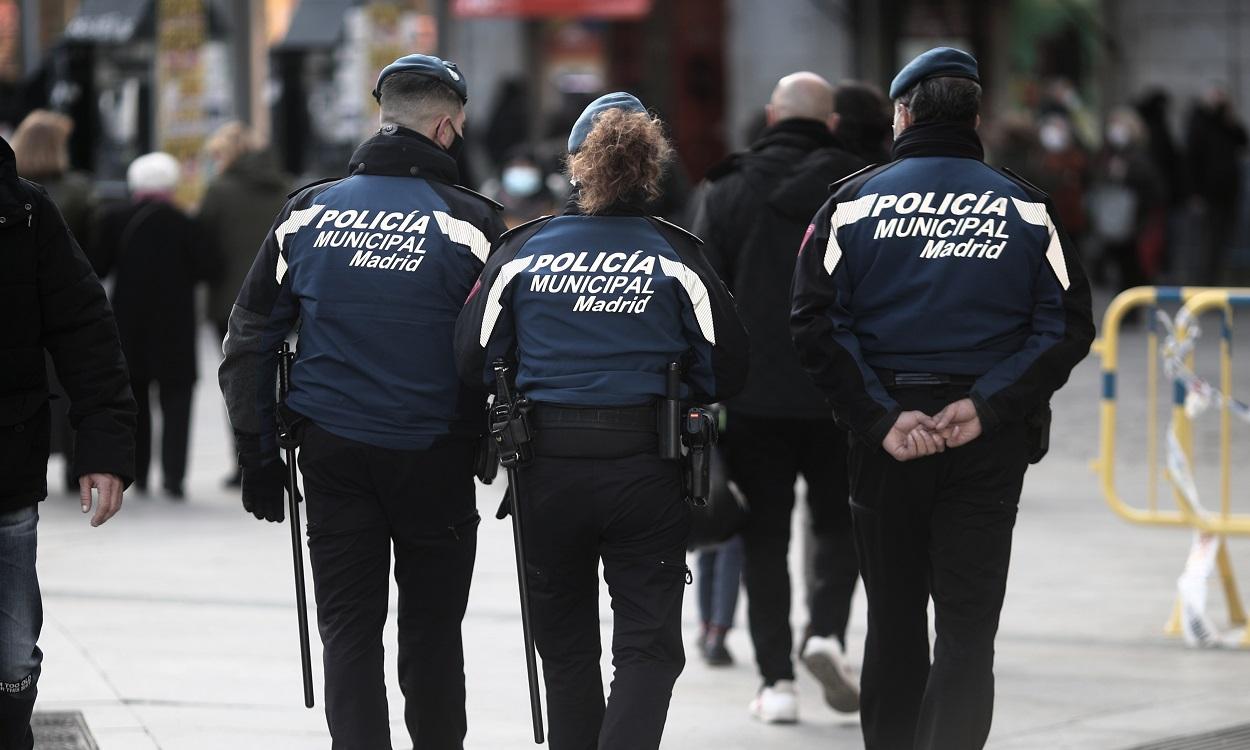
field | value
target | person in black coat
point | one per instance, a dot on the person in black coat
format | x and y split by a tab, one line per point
753	217
1216	140
156	255
49	299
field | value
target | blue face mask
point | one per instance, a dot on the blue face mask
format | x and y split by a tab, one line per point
522	182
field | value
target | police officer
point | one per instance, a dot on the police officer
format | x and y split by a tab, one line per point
754	213
591	307
938	305
375	268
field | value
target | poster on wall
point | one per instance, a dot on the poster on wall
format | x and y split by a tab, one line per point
182	123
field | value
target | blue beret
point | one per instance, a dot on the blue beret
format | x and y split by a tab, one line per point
615	100
426	65
939	61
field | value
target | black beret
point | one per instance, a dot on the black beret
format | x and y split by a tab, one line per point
426	65
939	61
615	100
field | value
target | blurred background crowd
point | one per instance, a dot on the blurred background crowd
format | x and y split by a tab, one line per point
169	132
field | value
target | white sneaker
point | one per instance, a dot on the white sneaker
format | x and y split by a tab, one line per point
778	704
823	658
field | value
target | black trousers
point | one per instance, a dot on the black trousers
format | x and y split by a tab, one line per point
629	512
764	457
935	527
361	501
175	401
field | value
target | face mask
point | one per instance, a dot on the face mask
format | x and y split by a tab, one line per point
457	142
1053	137
522	182
1118	135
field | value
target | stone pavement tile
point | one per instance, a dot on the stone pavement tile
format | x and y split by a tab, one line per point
124	739
1071	738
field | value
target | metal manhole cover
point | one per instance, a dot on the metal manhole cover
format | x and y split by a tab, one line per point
1231	738
61	730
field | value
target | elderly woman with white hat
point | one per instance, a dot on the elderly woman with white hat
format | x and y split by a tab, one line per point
155	255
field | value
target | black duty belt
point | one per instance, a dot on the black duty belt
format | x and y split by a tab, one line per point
904	379
621	419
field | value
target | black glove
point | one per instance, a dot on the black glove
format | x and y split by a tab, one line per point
263	486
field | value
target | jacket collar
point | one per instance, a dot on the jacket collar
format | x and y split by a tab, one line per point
796	133
620	208
399	152
939	139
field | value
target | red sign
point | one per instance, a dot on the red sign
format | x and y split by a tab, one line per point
546	8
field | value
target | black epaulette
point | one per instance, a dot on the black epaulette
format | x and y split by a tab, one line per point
686	232
838	183
724	167
519	227
315	183
1011	175
498	206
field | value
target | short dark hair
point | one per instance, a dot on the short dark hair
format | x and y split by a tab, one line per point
411	99
943	99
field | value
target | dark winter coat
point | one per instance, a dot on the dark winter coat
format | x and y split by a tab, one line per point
50	299
236	214
157	255
753	217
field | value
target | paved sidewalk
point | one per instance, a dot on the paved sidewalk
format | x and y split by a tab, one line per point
173	626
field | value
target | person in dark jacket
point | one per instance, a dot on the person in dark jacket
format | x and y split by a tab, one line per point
50	299
157	256
41	144
1216	140
375	267
592	307
754	214
863	124
235	215
938	304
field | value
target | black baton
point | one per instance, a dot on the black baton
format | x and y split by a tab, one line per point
285	358
510	429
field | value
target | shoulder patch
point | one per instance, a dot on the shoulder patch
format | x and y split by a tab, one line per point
725	166
302	188
839	183
1011	175
519	227
671	225
497	205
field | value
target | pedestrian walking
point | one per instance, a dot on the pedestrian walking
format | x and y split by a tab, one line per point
52	301
1215	140
755	211
157	257
591	307
719	582
375	268
41	144
246	191
938	304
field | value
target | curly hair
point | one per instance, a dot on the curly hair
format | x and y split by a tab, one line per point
623	158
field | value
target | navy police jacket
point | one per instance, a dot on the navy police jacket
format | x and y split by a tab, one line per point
936	263
374	267
592	309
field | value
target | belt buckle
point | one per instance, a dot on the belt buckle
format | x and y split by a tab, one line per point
918	378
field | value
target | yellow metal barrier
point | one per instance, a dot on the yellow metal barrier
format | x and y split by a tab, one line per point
1196	301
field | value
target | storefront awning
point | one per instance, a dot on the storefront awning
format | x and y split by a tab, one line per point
317	24
617	9
110	21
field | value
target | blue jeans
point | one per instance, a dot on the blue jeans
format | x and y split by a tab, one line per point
720	576
21	618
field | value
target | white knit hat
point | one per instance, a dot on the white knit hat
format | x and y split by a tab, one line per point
157	172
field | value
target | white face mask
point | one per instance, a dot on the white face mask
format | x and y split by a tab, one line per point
1054	137
522	182
1119	135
